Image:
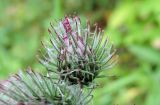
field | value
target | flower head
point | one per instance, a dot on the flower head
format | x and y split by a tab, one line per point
77	55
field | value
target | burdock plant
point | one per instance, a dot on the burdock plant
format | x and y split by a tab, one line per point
73	58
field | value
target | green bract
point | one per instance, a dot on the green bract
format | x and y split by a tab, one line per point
34	89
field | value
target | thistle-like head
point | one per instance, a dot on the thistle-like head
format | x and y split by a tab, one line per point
76	53
31	88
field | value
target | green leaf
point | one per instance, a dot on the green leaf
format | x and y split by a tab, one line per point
145	53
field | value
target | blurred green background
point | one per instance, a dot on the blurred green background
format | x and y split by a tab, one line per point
132	25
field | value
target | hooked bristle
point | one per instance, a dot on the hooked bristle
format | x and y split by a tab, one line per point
83	53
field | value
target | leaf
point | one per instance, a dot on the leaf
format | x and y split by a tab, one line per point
145	53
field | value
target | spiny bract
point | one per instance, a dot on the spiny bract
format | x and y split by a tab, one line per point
35	89
76	54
